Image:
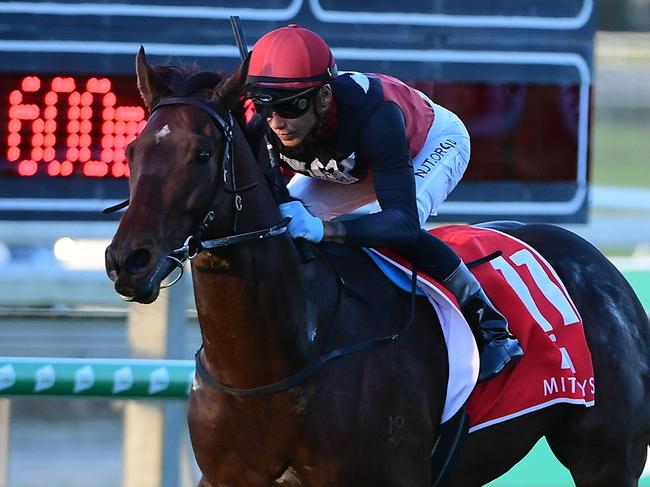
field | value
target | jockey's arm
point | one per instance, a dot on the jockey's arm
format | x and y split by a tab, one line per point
383	143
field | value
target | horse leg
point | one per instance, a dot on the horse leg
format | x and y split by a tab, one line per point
490	452
599	453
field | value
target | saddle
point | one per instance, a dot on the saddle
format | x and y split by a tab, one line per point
557	366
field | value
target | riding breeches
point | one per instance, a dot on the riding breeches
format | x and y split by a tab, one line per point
437	169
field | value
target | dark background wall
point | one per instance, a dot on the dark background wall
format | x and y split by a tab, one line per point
518	72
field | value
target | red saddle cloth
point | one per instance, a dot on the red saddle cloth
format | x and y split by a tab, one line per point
557	366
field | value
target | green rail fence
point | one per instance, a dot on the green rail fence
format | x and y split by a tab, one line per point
114	378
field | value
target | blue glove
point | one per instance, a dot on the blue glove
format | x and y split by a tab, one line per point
303	224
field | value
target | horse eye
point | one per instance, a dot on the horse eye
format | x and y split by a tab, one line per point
204	155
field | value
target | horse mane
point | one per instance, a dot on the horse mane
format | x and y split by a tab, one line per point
187	79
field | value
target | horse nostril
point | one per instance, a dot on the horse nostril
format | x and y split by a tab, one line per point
138	261
111	264
113	273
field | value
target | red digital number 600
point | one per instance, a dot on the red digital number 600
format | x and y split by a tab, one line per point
39	116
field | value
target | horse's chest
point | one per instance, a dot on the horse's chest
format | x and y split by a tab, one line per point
231	437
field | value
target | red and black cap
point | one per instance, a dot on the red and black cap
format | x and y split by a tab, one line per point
290	58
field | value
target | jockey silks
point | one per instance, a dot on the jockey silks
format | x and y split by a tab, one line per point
382	141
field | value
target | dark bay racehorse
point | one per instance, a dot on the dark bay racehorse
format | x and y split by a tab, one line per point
370	417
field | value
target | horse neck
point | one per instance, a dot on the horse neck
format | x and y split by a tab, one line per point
260	310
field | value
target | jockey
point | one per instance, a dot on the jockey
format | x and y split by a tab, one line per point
358	139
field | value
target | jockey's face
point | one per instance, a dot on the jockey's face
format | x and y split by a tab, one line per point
293	131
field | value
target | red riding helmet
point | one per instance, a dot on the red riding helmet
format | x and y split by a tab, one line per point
290	58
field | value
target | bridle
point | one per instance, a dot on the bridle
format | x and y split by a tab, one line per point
193	244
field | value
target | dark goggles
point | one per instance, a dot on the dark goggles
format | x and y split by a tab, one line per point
292	106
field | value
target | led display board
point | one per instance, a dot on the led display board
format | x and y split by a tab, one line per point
518	74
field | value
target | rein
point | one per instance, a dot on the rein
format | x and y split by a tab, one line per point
193	245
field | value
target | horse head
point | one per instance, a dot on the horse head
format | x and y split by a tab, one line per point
181	174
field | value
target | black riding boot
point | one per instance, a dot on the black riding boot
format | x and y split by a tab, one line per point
497	347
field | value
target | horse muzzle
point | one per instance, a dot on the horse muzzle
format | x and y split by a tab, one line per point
137	274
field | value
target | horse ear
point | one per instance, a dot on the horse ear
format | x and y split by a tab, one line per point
150	84
229	89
